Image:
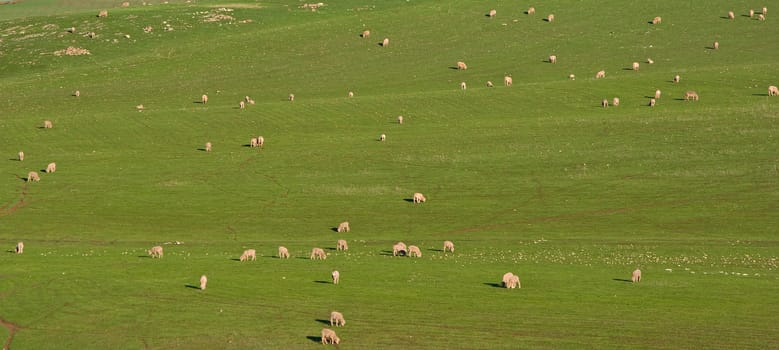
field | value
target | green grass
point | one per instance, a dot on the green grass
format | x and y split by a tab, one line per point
536	179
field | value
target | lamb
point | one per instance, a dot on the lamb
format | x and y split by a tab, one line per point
615	102
514	282
399	249
550	18
636	276
400	119
772	91
366	34
385	43
102	13
337	319
419	198
761	17
507	278
691	95
677	79
600	74
508	81
52	167
652	102
657	20
448	246
329	337
531	11
489	83
492	13
21	154
650	61
291	97
604	103
204	99
382	137
47	124
343	227
208	146
731	15
553	59
462	66
241	105
283	252
318	254
260	141
716	45
635	65
342	245
336	276
463	86
20	248
247	254
33	176
414	251
155	252
657	94
203	281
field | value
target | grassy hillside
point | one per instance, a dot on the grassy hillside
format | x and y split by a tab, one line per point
535	178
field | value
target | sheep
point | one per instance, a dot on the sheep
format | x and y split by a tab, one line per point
140	108
604	103
385	42
657	20
600	74
204	99
652	102
251	102
489	83
77	93
283	252
677	79
657	94
531	11
241	105
772	91
350	94
765	10
203	281
492	13
550	18
553	59
365	34
52	167
414	251
342	245
635	65
155	252
514	282
571	77
419	198
260	141
33	176
337	319
102	13
126	4
650	61
247	254
751	13
761	17
462	66
448	246
731	15
463	86
20	248
716	45
291	97
329	337
254	143
636	277
47	124
343	227
507	278
615	102
318	254
382	137
508	81
208	146
21	154
399	249
691	95
400	119
336	276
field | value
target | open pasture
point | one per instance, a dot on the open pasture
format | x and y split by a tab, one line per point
537	178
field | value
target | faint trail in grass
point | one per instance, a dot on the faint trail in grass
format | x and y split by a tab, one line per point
13	206
12	329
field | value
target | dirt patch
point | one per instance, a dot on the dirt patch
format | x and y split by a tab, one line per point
72	51
12	329
238	6
12	207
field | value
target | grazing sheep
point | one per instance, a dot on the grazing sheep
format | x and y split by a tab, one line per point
550	18
242	105
531	11
203	281
507	278
77	93
343	227
657	20
600	74
208	146
751	13
636	276
336	276
615	102
140	108
52	167
254	143
291	97
508	81
414	251
765	10
772	91
249	254
635	65
342	245
677	79
283	252
33	176
251	102
657	94
761	17
400	119
448	246
329	337
155	252
399	249
492	13
462	66
463	86
366	34
514	282
102	13
489	83
553	59
350	94
419	198
731	15
652	102
204	99
260	141
382	137
247	98
571	77
385	43
318	254
604	103
691	95
21	154
47	124
20	248
650	61
337	318
716	45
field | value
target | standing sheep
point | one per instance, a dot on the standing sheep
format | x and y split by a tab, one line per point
203	282
399	249
208	146
489	83
350	94
337	319
155	252
691	95
318	254
400	119
492	13
731	15
248	254
254	143
342	245
343	227
550	18
260	141
462	66
33	176
21	154
102	13
751	13
716	45
636	277
283	252
204	99
600	74
463	86
47	124
52	167
615	102
382	137
652	102
336	276
635	65
677	79
329	337
553	59
20	248
531	11
657	94
604	103
514	282
761	17
765	10
506	279
241	105
77	93
419	198
366	34
385	42
448	246
772	91
657	20
508	81
650	61
571	77
414	251
291	97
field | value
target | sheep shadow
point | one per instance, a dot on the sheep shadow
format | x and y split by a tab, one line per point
24	179
199	102
303	257
709	48
202	149
435	250
322	282
324	322
247	145
144	256
494	285
454	67
314	338
621	280
410	200
18	160
545	19
761	95
334	229
389	253
235	259
380	43
192	286
679	99
726	17
628	68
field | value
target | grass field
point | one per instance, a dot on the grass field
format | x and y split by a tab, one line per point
537	178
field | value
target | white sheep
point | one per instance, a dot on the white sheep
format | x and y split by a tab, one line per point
514	282
531	11
336	276
550	18
731	15
400	119
635	65
343	227
203	281
463	86
414	251
249	254
657	94
448	246
553	59
716	45
508	81
761	17
419	198
329	337
507	278
385	43
652	102
691	95
765	10
102	13
677	79
254	142
21	154
204	99
33	176
291	97
20	248
208	146
337	319
155	252
283	252
489	83
604	103
382	137
77	93
650	61
342	245
600	74
657	20
462	66
615	102
47	124
751	13
241	105
366	34
350	94
260	141
399	249
636	277
492	13
52	167
318	254
772	91
571	76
